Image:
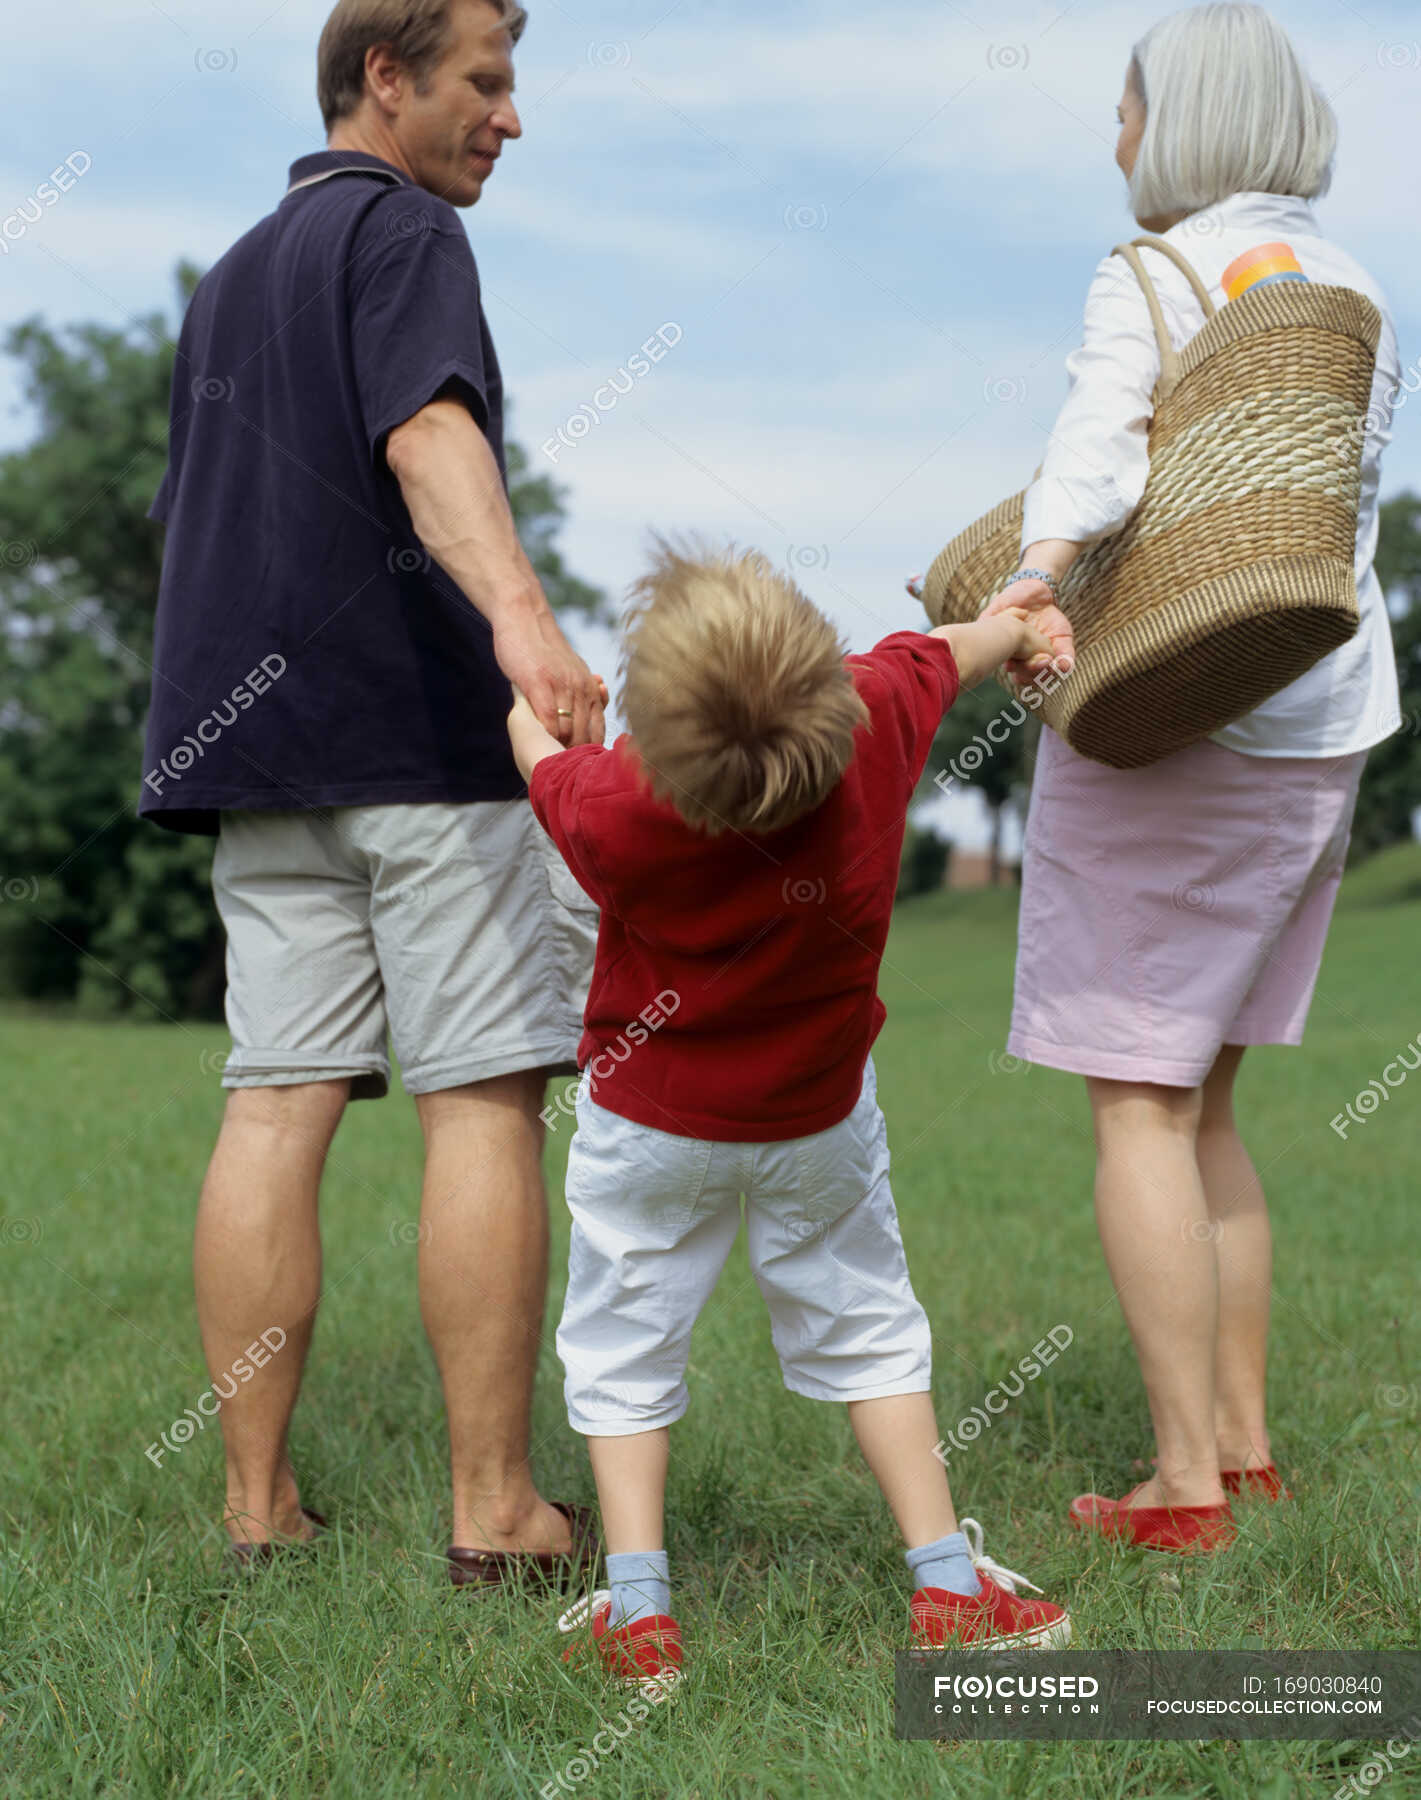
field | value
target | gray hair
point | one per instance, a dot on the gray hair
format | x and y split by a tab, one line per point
1229	109
416	30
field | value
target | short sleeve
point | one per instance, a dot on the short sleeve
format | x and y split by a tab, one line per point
180	408
416	320
559	792
163	499
908	681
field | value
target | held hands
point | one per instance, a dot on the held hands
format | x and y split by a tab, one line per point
1002	635
530	739
1035	600
1031	651
561	693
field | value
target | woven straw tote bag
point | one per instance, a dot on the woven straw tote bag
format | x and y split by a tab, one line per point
1235	573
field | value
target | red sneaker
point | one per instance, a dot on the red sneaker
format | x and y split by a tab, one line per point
1185	1529
1263	1484
645	1654
995	1619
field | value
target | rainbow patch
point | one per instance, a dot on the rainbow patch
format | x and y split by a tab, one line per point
1261	267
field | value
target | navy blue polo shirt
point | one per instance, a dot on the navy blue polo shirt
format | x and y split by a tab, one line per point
308	651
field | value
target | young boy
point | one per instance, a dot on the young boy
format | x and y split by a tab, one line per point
743	843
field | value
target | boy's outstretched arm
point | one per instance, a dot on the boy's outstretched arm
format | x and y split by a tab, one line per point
530	739
1004	637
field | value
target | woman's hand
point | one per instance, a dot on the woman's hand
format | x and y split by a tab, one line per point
1033	599
1052	556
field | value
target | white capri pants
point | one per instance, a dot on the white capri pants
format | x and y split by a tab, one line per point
653	1220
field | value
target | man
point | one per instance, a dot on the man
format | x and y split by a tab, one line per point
344	605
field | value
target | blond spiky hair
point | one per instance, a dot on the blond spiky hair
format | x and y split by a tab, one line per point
735	689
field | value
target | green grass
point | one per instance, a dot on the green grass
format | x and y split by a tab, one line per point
132	1665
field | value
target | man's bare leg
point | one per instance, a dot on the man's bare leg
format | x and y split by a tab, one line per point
483	1275
257	1265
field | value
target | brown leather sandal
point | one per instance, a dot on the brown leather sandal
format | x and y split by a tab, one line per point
552	1568
251	1556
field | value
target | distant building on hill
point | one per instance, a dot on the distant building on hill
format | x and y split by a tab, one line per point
973	869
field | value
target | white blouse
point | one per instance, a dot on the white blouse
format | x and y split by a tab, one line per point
1094	470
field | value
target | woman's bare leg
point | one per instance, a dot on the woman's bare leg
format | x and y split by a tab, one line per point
1243	1244
1155	1228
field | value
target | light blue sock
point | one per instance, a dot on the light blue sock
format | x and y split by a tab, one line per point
640	1581
945	1564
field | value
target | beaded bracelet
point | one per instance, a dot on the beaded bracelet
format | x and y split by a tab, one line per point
1037	575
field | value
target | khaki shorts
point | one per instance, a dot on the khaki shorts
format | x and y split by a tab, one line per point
456	930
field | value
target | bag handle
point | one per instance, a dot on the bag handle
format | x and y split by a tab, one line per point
1168	355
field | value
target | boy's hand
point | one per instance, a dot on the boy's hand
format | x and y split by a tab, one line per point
1036	600
1006	636
1033	651
522	710
530	739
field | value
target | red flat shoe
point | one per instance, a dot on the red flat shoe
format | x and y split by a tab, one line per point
1263	1484
645	1654
1184	1529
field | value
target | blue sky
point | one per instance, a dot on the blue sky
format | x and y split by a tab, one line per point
873	227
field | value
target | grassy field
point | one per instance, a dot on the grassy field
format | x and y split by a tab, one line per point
132	1664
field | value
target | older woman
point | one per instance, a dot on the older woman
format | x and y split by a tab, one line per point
1173	915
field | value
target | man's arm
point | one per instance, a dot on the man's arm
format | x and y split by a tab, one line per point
452	487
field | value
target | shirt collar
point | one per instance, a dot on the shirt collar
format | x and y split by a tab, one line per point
1267	212
321	165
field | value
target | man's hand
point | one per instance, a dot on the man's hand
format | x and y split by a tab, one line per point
1037	601
561	692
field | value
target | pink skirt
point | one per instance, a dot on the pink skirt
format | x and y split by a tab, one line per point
1170	910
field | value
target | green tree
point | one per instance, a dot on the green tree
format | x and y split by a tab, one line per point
964	757
538	506
95	904
1391	784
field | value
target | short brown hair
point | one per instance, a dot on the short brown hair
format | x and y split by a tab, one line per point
416	30
735	689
